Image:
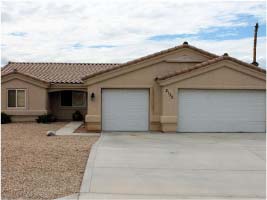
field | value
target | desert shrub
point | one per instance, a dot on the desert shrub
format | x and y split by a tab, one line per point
46	118
77	116
5	118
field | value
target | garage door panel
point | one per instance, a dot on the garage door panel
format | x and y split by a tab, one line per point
221	126
125	109
221	111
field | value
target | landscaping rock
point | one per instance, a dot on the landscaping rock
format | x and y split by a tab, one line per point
51	133
34	166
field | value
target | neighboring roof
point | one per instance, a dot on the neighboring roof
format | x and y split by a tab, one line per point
56	72
184	45
209	62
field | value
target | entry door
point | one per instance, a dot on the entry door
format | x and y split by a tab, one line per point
125	109
221	111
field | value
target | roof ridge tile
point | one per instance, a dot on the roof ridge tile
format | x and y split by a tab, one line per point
67	63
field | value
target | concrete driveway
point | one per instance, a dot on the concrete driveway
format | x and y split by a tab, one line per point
176	166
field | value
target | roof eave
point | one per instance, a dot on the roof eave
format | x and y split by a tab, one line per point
207	63
42	82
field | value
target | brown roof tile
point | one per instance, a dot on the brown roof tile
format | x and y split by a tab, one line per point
77	72
209	62
56	72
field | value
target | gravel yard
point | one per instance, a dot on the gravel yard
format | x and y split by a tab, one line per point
35	166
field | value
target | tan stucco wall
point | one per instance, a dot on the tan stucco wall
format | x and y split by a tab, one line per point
62	113
163	107
36	100
140	78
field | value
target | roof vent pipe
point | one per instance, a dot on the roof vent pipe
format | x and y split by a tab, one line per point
255	45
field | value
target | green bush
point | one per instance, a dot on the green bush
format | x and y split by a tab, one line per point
77	116
5	118
46	118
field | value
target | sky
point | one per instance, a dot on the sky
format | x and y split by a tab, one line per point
122	30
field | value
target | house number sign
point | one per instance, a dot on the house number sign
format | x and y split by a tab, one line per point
169	93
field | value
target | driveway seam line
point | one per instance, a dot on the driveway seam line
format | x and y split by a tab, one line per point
183	195
245	170
255	154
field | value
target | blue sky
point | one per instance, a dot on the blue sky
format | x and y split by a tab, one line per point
244	29
18	34
217	33
121	30
99	46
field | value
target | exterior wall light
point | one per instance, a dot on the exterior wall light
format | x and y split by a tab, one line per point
92	96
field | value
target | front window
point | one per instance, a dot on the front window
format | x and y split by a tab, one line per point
16	98
78	99
73	98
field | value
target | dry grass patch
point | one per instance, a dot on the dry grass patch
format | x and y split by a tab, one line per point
35	166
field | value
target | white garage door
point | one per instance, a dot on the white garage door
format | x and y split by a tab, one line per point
125	109
221	111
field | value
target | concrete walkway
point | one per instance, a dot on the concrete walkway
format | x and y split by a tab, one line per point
69	129
175	166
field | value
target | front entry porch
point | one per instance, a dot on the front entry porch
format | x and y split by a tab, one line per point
64	103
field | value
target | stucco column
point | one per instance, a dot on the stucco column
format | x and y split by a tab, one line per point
47	102
93	116
168	118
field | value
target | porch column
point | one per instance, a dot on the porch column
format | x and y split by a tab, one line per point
93	116
168	118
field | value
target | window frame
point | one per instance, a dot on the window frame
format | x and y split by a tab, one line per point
72	91
25	98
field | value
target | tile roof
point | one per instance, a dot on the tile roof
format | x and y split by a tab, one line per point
75	73
184	45
56	72
209	62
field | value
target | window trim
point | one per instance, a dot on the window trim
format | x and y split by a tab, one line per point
82	106
25	98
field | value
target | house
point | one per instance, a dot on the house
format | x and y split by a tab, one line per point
181	89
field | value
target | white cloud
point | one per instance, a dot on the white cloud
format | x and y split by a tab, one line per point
52	27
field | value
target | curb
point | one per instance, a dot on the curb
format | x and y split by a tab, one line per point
88	173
